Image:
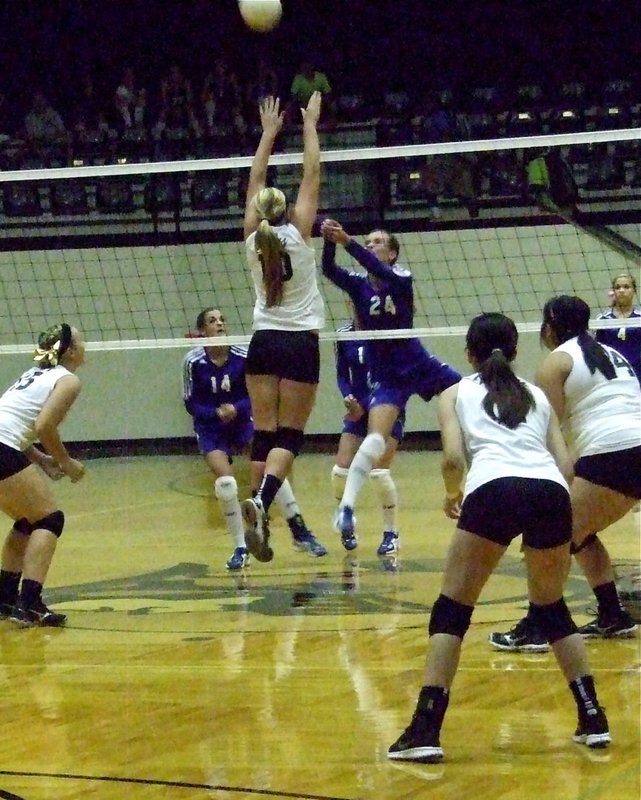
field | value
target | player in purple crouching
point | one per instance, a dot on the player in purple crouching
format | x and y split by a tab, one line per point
215	394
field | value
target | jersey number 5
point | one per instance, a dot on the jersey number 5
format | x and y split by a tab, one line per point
27	379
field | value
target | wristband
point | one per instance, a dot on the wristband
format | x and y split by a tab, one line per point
453	496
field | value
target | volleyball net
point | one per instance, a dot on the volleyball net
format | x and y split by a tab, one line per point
130	253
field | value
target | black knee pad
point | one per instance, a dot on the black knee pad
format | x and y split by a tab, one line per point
22	526
553	620
590	539
54	523
262	443
450	616
290	439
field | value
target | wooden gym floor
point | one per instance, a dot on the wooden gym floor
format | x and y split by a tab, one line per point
175	679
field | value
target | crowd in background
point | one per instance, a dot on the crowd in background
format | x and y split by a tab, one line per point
102	118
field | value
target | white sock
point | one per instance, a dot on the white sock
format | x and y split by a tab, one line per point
388	496
339	476
286	501
371	450
226	491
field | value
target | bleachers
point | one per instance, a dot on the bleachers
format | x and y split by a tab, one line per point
487	112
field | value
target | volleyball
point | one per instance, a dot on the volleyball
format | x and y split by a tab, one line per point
260	15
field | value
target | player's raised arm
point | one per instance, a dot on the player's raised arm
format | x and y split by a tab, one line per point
306	206
271	120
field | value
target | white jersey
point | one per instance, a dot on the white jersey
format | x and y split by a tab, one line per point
601	415
301	308
22	402
496	451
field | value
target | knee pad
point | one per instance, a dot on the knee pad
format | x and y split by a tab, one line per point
385	485
373	446
22	526
226	488
450	616
553	620
54	523
289	439
589	540
262	443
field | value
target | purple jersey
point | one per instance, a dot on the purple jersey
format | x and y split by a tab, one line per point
206	387
403	364
626	341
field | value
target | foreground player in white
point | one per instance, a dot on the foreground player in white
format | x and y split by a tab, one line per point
516	484
32	409
596	395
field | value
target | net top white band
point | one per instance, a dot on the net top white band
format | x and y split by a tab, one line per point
186	342
328	156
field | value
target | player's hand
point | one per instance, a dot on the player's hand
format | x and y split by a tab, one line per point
271	117
354	409
312	112
333	230
50	467
73	469
452	506
226	412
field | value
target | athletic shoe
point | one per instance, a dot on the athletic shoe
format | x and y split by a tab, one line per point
344	523
256	529
308	543
418	742
623	627
389	544
592	729
6	610
297	525
523	638
238	559
37	615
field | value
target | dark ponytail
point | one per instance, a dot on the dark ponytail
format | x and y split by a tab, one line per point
568	318
491	341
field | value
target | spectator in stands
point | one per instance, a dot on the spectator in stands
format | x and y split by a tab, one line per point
45	130
265	84
91	129
449	174
222	107
177	122
130	102
306	81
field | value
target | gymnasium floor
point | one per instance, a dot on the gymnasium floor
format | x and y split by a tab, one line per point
175	679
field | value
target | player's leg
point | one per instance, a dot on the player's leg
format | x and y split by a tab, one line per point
26	496
295	396
385	486
596	508
13	550
226	493
545	517
263	392
470	561
351	439
303	538
380	424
